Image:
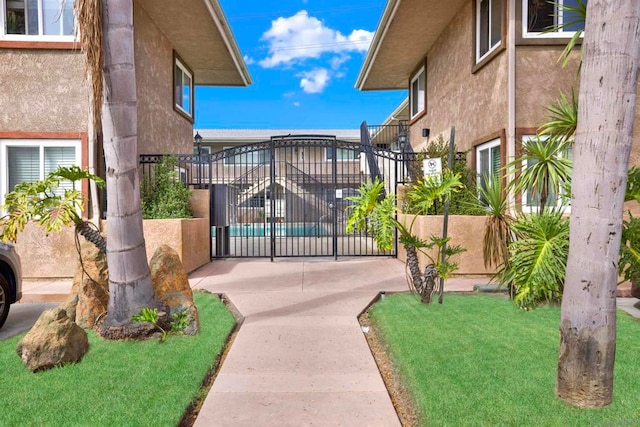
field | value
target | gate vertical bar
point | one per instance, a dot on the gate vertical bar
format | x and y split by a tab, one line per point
272	199
210	190
334	206
395	193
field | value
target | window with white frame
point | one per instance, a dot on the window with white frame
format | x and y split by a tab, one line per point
183	88
48	20
488	161
342	154
417	93
257	157
557	197
488	27
541	16
23	160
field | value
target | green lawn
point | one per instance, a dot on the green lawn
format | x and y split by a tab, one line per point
479	360
117	383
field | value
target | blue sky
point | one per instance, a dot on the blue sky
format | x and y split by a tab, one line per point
304	57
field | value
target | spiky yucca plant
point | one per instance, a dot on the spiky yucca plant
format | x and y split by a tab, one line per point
562	118
547	168
497	234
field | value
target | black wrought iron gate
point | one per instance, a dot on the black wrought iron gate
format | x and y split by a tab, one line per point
288	197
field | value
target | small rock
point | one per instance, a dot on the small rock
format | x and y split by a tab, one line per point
91	288
53	341
171	286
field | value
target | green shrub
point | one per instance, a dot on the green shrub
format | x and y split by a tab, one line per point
538	258
164	195
463	202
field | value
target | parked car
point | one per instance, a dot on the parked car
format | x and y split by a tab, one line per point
10	279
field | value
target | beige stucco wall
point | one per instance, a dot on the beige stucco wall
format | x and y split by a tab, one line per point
42	91
161	129
464	230
54	255
540	79
476	104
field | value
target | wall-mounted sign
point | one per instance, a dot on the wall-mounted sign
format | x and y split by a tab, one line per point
432	168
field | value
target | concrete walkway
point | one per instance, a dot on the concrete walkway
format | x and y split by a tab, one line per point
300	357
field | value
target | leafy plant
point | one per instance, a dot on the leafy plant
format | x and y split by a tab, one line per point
538	258
462	201
180	322
164	195
629	264
51	204
375	212
443	264
148	315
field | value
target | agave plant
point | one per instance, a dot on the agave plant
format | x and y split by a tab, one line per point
50	204
375	212
538	258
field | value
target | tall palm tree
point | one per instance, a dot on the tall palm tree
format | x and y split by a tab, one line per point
606	112
107	37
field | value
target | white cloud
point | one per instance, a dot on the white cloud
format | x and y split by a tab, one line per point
248	60
301	36
296	104
314	81
337	61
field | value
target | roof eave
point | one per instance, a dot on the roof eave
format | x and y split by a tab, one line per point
378	37
223	26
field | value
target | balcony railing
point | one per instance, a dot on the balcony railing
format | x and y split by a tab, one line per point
392	137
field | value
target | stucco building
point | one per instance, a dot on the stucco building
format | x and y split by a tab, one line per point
486	67
44	101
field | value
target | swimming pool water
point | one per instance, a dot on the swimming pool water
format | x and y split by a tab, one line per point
290	230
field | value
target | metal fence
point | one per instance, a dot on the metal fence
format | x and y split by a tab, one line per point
288	196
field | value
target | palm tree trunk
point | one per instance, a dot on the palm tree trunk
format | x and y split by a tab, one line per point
130	285
603	143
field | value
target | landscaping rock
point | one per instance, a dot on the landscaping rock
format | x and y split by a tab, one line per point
171	286
53	341
90	288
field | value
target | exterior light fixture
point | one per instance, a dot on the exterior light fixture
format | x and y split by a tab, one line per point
198	140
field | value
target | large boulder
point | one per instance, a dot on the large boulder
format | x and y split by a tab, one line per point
171	286
53	341
89	296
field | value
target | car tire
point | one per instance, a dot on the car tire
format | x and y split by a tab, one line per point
5	300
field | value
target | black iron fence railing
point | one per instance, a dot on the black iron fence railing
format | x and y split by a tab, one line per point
204	171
